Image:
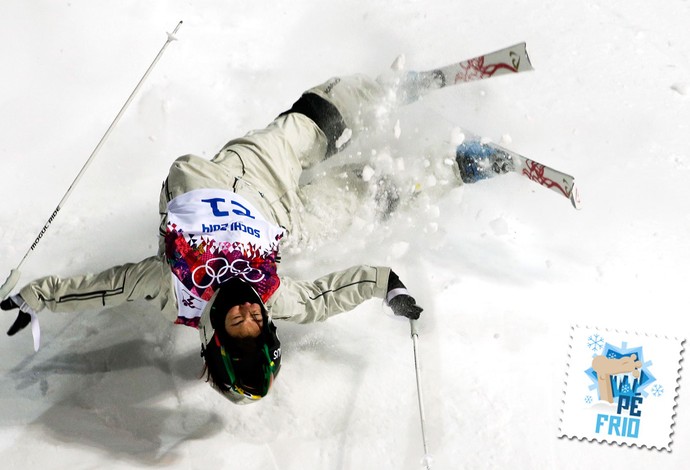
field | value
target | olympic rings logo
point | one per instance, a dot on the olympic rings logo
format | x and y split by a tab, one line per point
217	270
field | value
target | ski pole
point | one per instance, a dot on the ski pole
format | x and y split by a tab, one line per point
426	460
15	273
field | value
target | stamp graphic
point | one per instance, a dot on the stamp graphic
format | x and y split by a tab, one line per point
621	387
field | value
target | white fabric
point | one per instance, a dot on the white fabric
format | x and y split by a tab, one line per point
396	292
35	327
227	237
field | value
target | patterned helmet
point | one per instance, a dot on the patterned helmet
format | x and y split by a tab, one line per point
241	369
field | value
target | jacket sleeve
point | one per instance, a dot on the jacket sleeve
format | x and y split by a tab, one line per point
307	302
148	279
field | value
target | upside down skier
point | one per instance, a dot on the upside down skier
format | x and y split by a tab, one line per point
222	221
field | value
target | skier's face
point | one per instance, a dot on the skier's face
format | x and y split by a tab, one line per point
244	321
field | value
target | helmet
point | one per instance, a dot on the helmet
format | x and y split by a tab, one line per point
241	369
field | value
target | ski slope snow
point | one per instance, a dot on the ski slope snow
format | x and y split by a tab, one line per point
503	267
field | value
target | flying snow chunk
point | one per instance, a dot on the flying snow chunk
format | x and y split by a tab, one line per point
433	211
682	88
344	138
457	136
398	63
400	164
367	173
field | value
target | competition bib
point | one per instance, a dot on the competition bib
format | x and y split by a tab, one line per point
214	235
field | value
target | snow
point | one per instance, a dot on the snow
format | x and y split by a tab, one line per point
503	267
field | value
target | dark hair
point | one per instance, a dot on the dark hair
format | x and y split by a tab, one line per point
214	368
249	359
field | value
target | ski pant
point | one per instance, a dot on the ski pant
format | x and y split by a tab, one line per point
265	165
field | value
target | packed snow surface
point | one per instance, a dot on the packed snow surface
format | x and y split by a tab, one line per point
503	267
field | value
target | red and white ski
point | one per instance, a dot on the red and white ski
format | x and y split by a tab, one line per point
513	59
409	86
478	159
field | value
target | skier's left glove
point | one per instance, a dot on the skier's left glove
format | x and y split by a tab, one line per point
23	318
400	300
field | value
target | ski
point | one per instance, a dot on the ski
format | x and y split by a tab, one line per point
513	59
478	160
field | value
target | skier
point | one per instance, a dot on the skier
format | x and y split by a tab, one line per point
221	225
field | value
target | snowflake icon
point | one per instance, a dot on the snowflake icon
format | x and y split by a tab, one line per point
595	342
657	390
588	399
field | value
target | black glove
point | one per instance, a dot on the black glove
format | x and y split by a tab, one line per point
405	306
399	300
22	320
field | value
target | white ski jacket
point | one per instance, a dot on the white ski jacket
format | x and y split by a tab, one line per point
225	217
